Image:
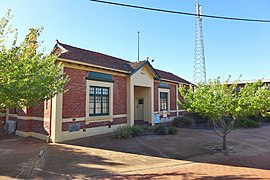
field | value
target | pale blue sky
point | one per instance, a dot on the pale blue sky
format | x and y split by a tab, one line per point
231	48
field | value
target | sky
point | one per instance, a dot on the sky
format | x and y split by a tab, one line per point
231	47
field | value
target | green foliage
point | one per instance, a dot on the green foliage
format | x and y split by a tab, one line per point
172	130
122	132
141	130
246	123
183	122
198	119
217	101
27	76
250	124
125	132
265	120
160	130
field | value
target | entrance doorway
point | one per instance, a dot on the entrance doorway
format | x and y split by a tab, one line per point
140	108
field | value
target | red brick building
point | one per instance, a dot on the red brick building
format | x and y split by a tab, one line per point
104	92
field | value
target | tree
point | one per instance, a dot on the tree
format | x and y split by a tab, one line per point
27	75
222	104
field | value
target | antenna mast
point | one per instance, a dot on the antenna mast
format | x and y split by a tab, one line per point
138	46
199	70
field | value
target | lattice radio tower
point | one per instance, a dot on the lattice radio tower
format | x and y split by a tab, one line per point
199	71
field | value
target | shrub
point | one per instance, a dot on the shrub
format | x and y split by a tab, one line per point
265	120
184	122
238	123
141	130
160	130
245	123
198	119
122	132
250	124
172	130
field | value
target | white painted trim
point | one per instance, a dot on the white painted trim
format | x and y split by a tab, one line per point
88	64
23	134
169	98
27	118
119	115
98	84
173	111
182	110
98	119
76	119
56	121
13	115
177	98
63	50
31	134
85	118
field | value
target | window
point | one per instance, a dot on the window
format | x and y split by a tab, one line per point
98	101
163	101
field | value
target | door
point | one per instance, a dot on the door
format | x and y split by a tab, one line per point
140	109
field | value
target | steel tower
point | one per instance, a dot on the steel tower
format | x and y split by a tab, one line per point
199	70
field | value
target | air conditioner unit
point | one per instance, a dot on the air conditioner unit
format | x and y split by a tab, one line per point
10	126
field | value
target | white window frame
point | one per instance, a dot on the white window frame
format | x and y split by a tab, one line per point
100	117
163	90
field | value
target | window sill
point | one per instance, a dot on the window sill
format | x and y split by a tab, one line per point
99	118
168	112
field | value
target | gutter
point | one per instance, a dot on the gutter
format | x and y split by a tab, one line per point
93	65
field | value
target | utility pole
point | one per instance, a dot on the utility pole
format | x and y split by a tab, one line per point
199	70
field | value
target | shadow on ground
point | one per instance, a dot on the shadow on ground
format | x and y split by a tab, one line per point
71	162
183	176
187	155
251	147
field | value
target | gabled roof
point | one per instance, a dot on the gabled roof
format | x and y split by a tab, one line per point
99	59
138	65
91	57
171	76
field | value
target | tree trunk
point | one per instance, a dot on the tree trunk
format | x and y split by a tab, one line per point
224	147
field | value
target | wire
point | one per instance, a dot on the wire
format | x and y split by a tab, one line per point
182	13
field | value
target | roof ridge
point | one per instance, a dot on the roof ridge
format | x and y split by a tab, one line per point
94	52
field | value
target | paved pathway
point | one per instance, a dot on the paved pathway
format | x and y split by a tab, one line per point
188	155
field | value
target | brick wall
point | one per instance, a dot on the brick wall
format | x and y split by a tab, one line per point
75	99
173	97
41	127
21	112
119	95
172	114
37	111
40	110
23	125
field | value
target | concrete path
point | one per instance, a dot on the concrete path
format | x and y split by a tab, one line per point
188	155
18	155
